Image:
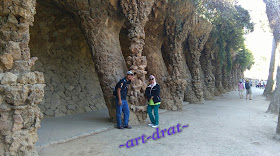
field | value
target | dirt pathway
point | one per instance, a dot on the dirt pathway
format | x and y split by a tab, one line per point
226	126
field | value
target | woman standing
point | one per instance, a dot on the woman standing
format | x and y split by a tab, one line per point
152	94
241	89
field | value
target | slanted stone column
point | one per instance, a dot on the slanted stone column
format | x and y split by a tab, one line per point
101	24
235	79
20	89
102	35
225	77
195	44
176	30
207	67
137	12
219	89
155	34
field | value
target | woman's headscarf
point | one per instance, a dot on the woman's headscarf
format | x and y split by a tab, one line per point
154	84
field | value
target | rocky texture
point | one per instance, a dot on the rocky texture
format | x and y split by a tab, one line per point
20	89
194	45
176	26
184	36
72	85
166	38
137	13
219	89
207	55
156	59
101	23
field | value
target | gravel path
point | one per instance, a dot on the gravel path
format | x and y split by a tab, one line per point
227	126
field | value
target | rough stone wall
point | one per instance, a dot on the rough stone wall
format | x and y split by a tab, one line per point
207	69
172	38
219	89
137	13
20	90
101	23
176	28
72	85
155	34
235	77
225	76
166	30
194	45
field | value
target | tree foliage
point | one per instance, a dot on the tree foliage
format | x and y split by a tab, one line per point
230	23
245	59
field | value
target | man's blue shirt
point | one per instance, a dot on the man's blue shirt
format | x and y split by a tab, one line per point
123	85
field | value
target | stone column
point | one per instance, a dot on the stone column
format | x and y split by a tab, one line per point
207	67
176	30
101	23
195	44
102	35
218	74
235	79
157	67
224	77
137	12
20	90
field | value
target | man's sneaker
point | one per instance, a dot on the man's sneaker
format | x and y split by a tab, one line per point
150	125
128	127
120	127
155	126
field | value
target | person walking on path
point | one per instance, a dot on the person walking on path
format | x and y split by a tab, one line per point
248	90
120	92
241	89
152	94
262	84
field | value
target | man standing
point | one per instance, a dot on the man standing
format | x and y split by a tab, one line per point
248	90
121	103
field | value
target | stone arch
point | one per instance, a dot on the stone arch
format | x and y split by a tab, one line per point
72	85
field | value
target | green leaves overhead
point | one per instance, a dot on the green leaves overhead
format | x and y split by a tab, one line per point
230	23
245	59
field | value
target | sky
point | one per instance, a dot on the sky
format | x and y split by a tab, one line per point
259	41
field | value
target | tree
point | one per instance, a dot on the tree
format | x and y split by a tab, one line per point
273	14
230	23
270	80
278	129
245	59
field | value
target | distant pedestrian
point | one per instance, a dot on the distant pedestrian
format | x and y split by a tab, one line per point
120	92
262	84
257	83
248	90
152	94
241	89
